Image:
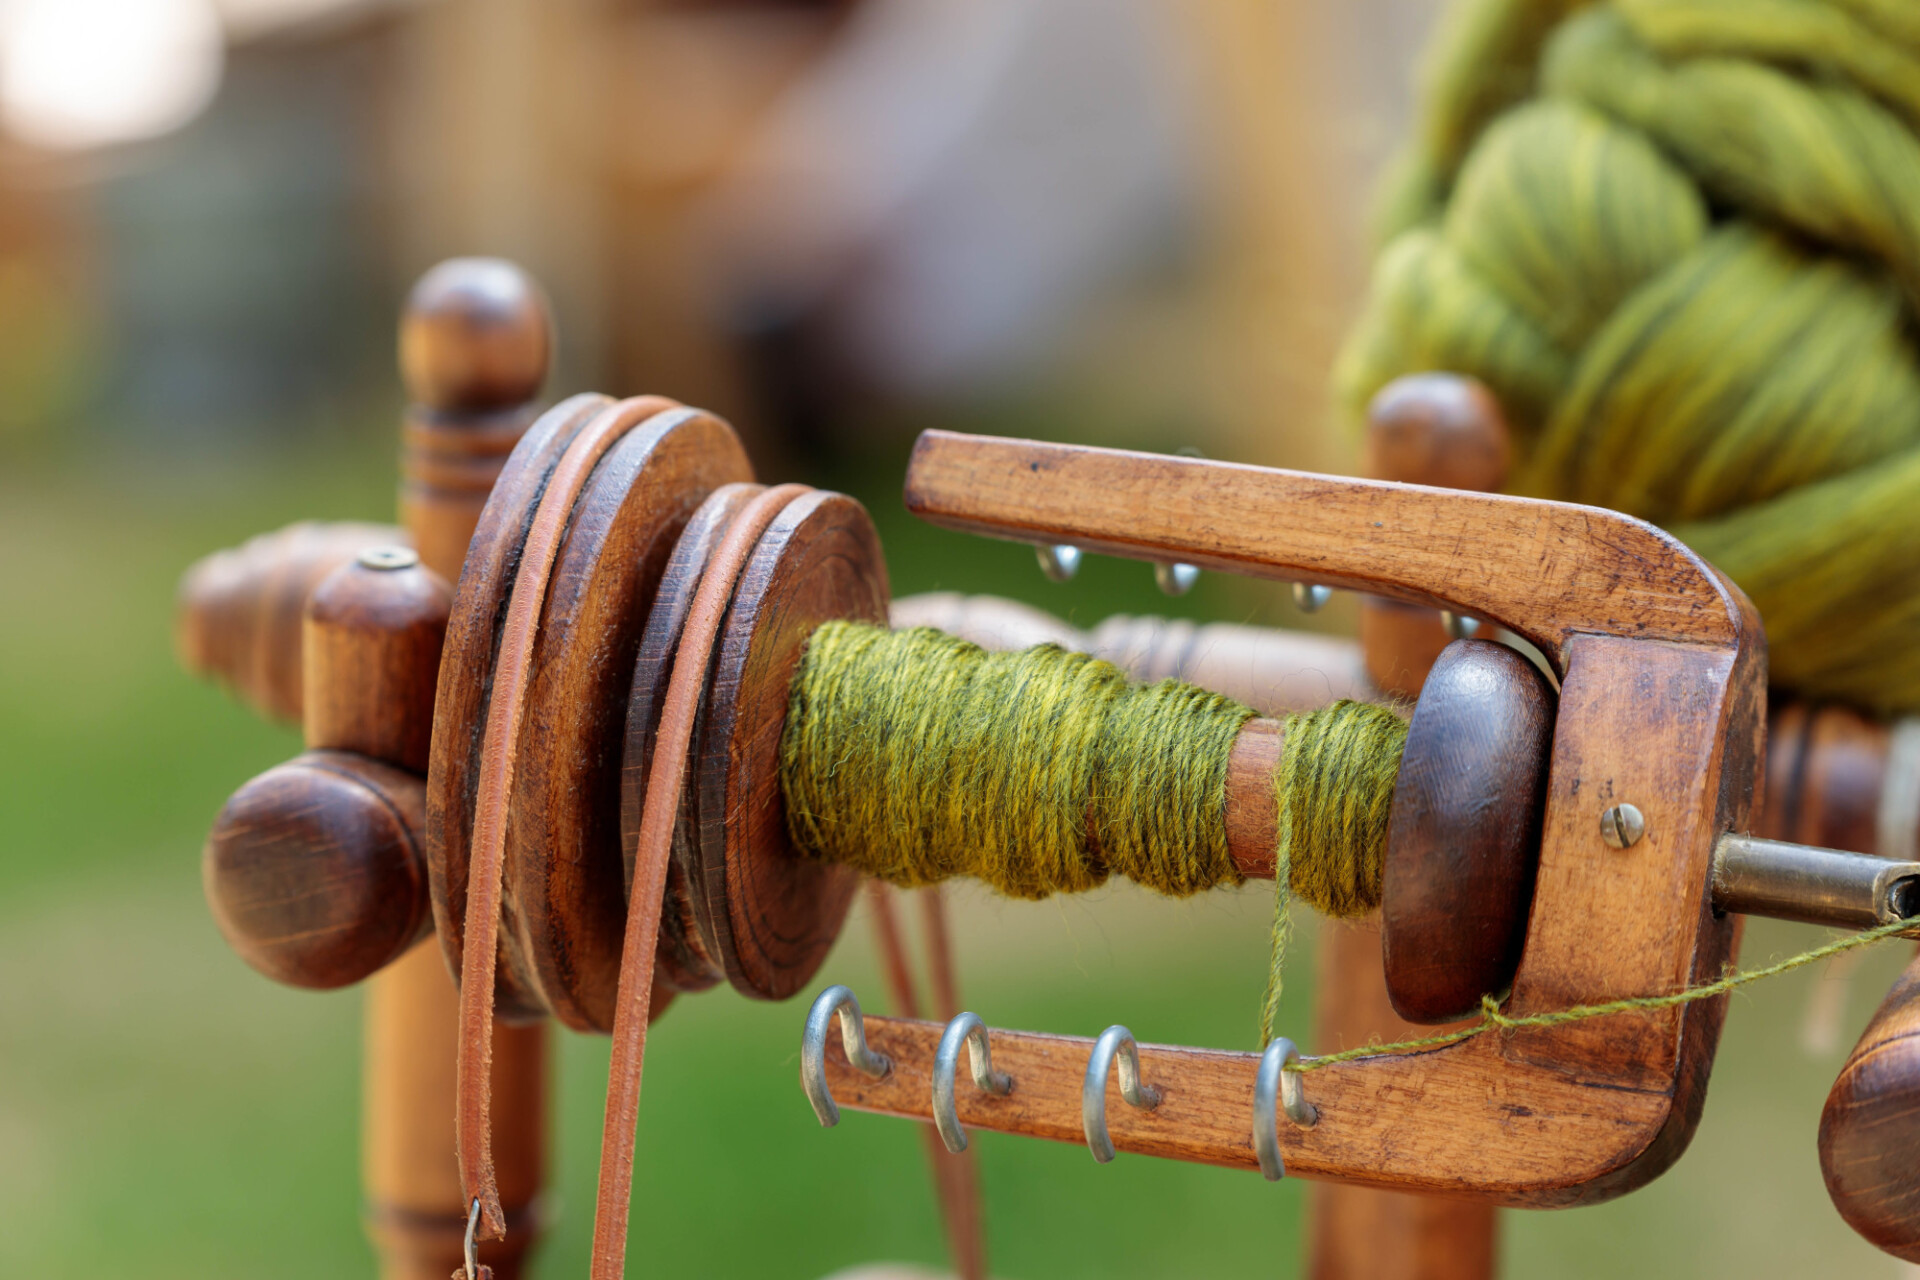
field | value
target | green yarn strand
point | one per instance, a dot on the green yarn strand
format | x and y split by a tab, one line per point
1334	795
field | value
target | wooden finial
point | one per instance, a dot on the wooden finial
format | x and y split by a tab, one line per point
1439	429
475	336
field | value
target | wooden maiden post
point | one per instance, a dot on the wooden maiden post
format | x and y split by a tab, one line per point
1440	430
474	346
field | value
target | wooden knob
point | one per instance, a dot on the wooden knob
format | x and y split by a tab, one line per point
1870	1129
314	869
474	336
1438	429
371	641
1464	836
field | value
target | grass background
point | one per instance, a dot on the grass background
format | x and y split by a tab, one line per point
166	1112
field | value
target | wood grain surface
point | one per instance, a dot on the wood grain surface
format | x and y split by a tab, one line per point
1548	571
314	870
1623	611
686	960
565	871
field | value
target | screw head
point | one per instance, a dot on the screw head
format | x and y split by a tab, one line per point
389	557
1622	825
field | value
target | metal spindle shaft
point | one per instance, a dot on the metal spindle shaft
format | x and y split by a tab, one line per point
1819	886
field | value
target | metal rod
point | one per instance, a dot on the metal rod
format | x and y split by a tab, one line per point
1819	886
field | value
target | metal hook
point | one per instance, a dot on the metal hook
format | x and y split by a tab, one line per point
1093	1090
470	1249
813	1049
1175	578
1310	597
1060	562
967	1029
1459	626
1275	1084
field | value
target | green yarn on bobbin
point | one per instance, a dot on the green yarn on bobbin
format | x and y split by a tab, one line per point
917	757
1680	240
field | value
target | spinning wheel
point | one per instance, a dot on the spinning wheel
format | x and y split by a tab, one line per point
598	820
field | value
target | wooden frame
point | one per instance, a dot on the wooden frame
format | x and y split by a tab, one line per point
1662	701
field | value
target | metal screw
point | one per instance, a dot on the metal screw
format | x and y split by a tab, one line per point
1058	563
384	558
1622	825
1175	579
1308	597
1459	626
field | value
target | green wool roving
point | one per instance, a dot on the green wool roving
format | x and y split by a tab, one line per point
1680	240
918	757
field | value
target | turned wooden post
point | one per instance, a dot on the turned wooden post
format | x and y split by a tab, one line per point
473	352
1439	430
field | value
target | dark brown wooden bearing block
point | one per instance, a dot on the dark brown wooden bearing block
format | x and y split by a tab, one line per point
314	869
1464	836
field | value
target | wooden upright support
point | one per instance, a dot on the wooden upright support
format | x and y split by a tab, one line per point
473	352
1444	431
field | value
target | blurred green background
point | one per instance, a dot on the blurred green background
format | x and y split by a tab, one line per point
834	221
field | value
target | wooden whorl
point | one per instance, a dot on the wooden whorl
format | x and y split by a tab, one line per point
565	870
1464	836
1870	1127
685	958
475	335
774	914
466	665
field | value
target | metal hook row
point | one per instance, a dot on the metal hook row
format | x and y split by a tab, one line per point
1275	1087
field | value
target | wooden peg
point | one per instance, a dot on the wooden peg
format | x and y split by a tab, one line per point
315	870
371	653
1434	429
238	615
474	337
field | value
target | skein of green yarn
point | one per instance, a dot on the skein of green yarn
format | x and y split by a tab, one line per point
1680	240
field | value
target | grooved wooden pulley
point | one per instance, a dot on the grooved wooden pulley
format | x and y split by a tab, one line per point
564	891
